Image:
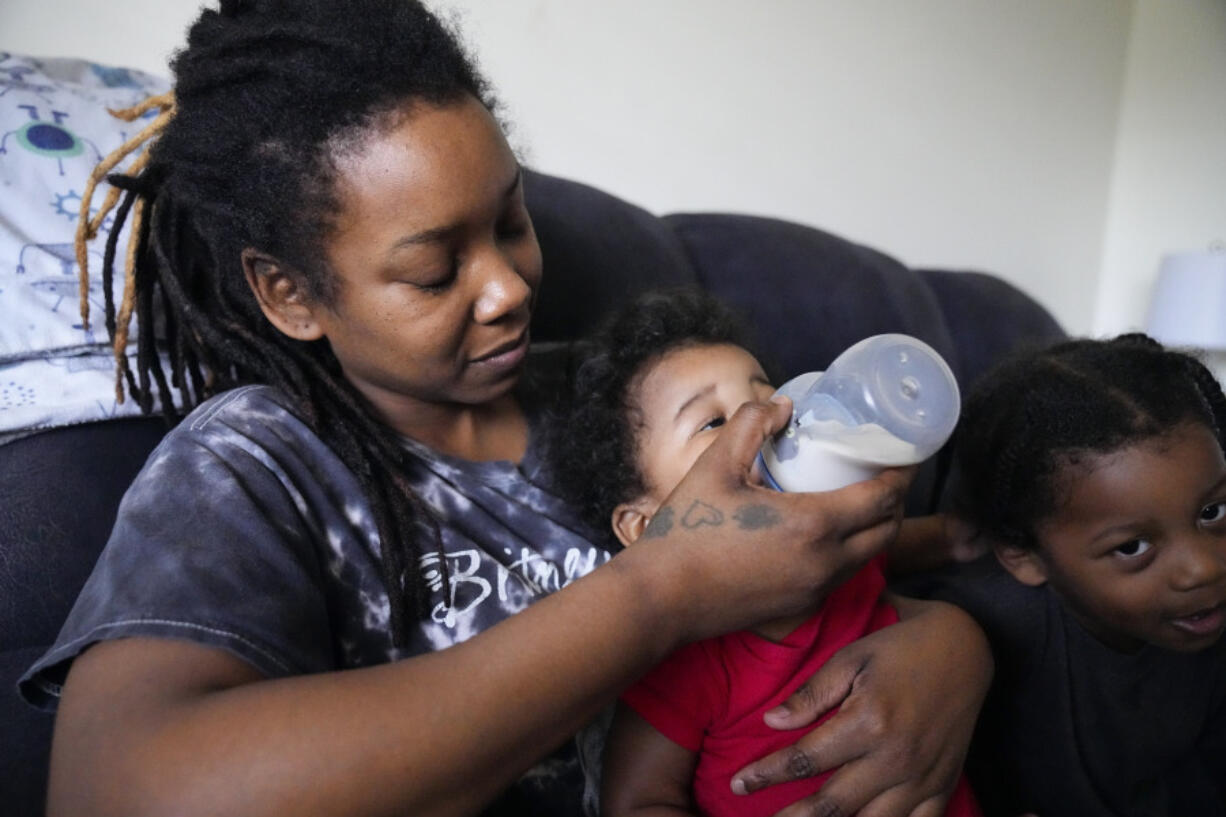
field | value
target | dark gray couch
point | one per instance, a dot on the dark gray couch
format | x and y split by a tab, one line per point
808	293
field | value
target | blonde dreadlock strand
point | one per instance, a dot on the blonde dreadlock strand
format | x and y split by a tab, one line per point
123	321
87	228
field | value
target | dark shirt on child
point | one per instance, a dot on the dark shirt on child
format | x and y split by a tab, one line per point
1073	727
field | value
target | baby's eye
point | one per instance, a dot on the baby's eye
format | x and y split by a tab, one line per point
1213	513
1137	547
714	422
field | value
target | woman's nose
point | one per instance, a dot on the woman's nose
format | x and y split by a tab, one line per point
504	289
1202	561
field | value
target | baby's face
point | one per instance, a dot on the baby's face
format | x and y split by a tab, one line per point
1138	549
685	398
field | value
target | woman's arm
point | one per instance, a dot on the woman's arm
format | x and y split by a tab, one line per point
645	774
908	698
148	726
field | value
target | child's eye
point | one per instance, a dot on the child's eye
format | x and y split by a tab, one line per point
1133	549
714	422
1213	513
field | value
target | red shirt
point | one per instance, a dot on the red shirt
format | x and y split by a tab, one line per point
709	697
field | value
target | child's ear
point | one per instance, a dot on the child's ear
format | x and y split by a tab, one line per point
1025	564
279	291
630	519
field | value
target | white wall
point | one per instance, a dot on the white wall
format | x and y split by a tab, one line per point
1169	187
954	133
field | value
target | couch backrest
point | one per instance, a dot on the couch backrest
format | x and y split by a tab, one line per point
807	293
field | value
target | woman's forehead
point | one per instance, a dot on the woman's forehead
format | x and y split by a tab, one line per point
423	169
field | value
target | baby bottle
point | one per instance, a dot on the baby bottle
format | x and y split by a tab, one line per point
888	400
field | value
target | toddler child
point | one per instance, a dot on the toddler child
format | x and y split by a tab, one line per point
651	394
1095	470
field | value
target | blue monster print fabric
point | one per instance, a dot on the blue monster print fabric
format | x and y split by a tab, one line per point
54	129
246	532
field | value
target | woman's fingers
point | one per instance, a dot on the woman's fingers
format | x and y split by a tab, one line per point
835	742
734	451
841	794
759	554
826	689
898	738
862	506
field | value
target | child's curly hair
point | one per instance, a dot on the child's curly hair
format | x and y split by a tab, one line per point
1037	413
595	437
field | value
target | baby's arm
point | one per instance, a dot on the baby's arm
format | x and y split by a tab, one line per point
645	773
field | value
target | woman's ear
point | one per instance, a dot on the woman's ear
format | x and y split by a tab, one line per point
630	519
281	296
1026	565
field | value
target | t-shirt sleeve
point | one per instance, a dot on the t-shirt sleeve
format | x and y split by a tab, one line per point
681	695
216	542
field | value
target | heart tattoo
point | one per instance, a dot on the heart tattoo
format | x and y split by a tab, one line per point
700	513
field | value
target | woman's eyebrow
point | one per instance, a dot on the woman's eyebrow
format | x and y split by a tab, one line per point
431	236
437	234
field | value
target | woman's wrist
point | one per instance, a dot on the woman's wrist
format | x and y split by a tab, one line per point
661	599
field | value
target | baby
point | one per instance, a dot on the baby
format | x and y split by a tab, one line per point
1095	469
651	394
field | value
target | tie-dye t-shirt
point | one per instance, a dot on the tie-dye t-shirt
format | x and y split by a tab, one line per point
246	532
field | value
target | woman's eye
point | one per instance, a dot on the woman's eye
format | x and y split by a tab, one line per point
1213	513
435	284
714	422
1137	547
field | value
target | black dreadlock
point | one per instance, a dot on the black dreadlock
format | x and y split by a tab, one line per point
265	91
1036	413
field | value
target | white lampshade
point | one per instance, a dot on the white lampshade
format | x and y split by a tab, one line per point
1189	301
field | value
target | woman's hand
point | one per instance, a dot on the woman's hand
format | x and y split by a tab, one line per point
908	697
723	554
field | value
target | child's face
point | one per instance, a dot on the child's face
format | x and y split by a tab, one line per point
684	398
1138	551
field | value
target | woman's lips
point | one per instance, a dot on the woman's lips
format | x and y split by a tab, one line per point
506	356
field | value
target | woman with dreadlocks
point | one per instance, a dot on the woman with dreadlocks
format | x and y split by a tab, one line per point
341	585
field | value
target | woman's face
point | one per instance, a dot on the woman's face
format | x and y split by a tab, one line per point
435	263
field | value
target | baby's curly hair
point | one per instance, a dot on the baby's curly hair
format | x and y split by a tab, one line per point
1040	412
595	437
